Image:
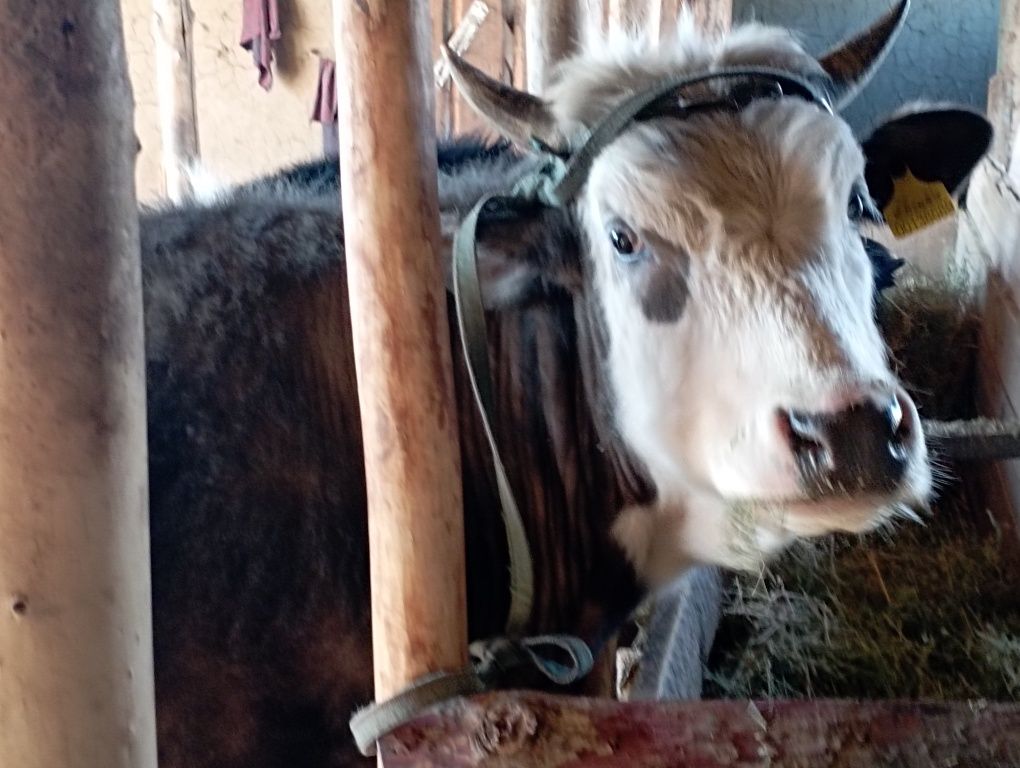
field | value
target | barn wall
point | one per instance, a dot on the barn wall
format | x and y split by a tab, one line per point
947	48
138	29
243	130
947	52
989	243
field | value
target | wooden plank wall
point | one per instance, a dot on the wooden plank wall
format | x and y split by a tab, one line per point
989	243
515	33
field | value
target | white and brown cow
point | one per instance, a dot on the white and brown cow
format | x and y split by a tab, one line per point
686	367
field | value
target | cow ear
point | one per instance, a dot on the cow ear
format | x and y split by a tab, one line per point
526	252
936	145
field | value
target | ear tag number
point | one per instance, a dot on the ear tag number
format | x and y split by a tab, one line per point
916	204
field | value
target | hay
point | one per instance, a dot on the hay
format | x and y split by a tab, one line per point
931	327
926	611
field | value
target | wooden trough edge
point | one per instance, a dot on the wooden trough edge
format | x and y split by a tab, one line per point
532	729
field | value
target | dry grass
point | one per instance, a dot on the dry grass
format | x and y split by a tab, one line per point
931	326
925	612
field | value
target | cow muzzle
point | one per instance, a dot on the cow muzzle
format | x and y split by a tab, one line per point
864	447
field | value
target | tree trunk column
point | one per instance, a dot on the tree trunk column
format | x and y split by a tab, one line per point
552	33
401	340
176	93
76	684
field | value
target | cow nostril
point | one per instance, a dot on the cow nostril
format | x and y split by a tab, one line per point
865	446
901	426
806	441
894	413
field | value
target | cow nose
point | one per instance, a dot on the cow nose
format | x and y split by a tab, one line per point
862	448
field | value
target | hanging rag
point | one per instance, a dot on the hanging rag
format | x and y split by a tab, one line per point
324	110
260	28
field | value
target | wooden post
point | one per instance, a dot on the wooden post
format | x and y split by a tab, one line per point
175	89
76	685
401	340
987	244
714	16
552	32
520	60
632	14
644	15
441	28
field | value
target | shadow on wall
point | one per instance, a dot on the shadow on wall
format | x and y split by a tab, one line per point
947	50
291	58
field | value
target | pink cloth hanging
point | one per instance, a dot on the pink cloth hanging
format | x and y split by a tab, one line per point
325	108
260	28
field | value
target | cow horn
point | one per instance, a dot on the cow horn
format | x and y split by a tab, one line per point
851	64
518	115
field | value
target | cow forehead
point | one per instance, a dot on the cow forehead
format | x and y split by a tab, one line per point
773	164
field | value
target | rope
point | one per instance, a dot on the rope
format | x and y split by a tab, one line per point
467	293
561	659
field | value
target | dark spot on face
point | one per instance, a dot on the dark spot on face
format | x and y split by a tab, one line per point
661	282
19	606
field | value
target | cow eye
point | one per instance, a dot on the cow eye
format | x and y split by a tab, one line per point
856	208
628	246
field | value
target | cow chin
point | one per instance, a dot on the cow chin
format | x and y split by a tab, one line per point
759	530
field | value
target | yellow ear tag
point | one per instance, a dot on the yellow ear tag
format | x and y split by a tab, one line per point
916	204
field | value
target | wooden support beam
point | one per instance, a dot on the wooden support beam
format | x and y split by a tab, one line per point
653	19
175	89
517	729
713	16
401	340
631	14
552	32
480	32
76	678
442	23
520	56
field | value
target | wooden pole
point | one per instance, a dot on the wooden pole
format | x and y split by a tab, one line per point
441	27
401	340
479	35
632	14
714	16
552	32
520	65
76	685
175	88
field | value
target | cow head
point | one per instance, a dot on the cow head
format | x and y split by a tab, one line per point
723	257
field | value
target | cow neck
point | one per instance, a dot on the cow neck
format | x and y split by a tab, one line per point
567	469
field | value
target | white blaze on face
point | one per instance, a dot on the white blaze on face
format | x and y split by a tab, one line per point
749	292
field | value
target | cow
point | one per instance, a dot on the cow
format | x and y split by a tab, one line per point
686	368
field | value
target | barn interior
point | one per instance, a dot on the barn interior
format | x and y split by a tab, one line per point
842	636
